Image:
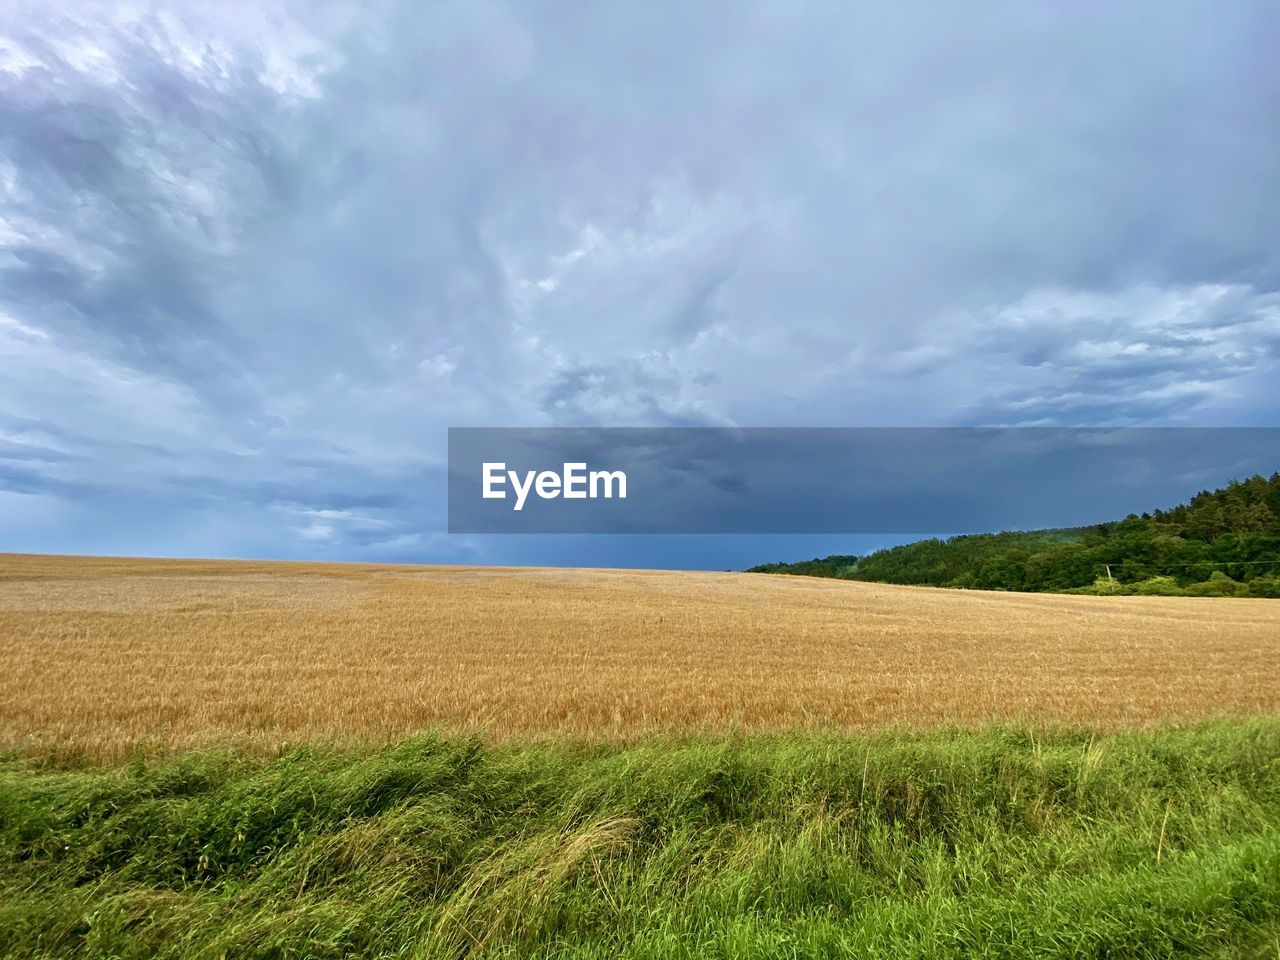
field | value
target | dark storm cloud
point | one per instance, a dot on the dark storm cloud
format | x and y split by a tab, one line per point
260	256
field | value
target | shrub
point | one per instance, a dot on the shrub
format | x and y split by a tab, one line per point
1218	585
1267	585
1158	587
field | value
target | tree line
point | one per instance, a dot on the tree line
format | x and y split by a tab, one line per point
1223	542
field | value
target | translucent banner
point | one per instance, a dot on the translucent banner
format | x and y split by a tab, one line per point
834	480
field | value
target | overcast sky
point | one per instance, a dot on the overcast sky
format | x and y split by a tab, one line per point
256	257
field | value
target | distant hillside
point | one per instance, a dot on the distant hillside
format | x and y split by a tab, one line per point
1224	542
835	565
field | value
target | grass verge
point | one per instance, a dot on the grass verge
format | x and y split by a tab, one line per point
998	843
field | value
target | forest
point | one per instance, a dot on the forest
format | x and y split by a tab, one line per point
1223	542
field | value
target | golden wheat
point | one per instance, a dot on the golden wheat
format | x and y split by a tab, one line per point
100	655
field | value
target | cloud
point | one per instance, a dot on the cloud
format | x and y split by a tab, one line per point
1140	355
254	256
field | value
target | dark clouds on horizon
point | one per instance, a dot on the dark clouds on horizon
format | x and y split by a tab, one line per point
255	258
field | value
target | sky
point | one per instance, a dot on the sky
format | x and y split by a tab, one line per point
257	257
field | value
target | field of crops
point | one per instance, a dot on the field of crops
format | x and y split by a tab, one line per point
218	759
98	656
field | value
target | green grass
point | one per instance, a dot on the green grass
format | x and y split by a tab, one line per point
954	844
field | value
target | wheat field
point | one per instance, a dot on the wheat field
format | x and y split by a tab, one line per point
99	656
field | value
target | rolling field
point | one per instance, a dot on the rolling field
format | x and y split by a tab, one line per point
216	759
98	656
